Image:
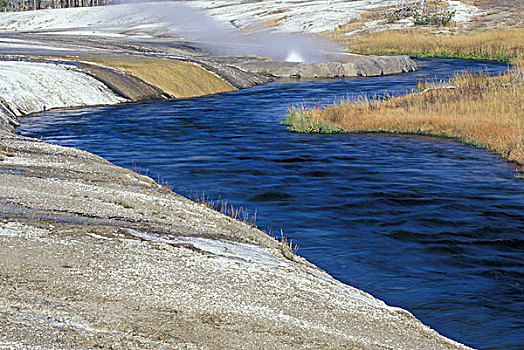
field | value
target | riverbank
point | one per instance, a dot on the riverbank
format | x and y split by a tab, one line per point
474	109
140	54
485	30
94	255
503	45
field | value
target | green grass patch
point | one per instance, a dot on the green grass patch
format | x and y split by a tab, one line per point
123	204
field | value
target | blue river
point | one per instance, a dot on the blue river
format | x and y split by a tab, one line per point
430	225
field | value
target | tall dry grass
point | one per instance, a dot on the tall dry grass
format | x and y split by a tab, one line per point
505	45
483	112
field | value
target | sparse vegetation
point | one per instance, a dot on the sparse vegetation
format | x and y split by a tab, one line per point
424	12
123	204
504	45
223	207
244	215
441	18
484	111
285	246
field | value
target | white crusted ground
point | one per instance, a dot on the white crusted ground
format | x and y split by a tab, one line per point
29	87
290	16
306	16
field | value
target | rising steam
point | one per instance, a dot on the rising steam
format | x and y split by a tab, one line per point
219	38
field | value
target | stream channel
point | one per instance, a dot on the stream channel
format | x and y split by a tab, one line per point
427	224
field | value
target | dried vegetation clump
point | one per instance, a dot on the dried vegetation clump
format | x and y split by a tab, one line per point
285	245
484	111
433	12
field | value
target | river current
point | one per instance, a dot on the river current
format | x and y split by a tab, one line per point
430	225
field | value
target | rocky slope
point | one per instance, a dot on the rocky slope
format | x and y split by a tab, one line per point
93	255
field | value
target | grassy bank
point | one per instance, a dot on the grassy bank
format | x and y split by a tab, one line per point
484	111
178	78
504	45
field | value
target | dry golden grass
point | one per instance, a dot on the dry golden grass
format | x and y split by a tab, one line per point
482	112
272	22
496	44
177	78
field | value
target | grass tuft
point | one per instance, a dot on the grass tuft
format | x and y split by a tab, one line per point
123	204
485	111
299	120
240	214
285	246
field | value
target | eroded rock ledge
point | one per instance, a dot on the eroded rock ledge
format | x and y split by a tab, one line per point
350	66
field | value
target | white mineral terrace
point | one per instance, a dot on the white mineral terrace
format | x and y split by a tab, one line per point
29	87
285	15
306	16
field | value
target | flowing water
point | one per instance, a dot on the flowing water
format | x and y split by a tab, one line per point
426	224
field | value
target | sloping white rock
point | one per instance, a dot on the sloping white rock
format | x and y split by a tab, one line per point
290	16
304	15
29	87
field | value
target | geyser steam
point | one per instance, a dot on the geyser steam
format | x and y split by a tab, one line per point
294	57
221	38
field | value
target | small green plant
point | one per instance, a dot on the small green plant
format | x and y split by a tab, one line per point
287	248
123	204
298	121
437	19
393	17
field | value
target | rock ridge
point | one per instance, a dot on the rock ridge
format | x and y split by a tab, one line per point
357	66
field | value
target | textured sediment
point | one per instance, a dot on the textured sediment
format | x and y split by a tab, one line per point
94	255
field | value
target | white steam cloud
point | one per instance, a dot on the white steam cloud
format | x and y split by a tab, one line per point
219	38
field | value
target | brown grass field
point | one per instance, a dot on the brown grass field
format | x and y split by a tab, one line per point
485	111
495	34
505	45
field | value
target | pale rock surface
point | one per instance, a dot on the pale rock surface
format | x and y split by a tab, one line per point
28	87
97	256
306	16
